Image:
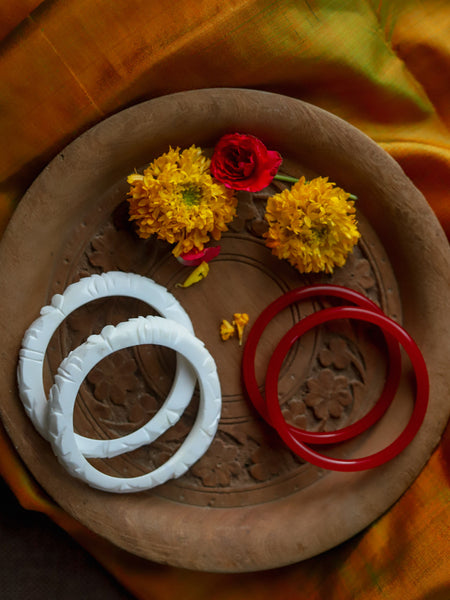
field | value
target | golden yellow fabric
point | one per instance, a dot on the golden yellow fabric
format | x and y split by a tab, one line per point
382	65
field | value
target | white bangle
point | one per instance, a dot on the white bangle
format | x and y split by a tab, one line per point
38	335
72	371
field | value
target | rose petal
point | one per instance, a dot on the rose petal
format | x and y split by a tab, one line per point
193	259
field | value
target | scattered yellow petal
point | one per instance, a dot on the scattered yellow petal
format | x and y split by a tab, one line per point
197	275
227	330
240	320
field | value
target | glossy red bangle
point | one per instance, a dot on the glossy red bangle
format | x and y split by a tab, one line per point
248	364
422	389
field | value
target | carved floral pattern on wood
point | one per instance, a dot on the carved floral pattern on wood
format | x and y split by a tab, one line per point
337	381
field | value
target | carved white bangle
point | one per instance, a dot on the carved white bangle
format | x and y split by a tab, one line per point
72	371
38	335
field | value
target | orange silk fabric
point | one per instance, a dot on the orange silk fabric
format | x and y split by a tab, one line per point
384	66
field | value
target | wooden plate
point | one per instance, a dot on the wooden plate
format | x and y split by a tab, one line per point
248	504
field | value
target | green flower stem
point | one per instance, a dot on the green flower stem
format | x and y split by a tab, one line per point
289	179
286	178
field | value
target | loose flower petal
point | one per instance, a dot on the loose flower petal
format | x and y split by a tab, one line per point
197	275
240	320
193	259
227	330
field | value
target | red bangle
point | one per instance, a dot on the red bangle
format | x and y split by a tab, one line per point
248	364
422	389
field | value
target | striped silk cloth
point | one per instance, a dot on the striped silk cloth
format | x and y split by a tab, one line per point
384	66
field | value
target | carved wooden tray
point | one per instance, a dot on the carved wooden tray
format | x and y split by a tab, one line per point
249	503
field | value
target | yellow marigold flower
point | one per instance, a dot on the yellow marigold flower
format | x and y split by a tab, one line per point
240	320
178	200
227	330
312	225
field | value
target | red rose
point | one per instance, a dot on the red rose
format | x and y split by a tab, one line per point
242	162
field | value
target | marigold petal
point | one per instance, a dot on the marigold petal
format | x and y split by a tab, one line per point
197	275
240	320
227	330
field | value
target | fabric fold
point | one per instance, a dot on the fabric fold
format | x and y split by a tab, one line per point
382	66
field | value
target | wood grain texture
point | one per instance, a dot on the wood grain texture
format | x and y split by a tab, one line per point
248	504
